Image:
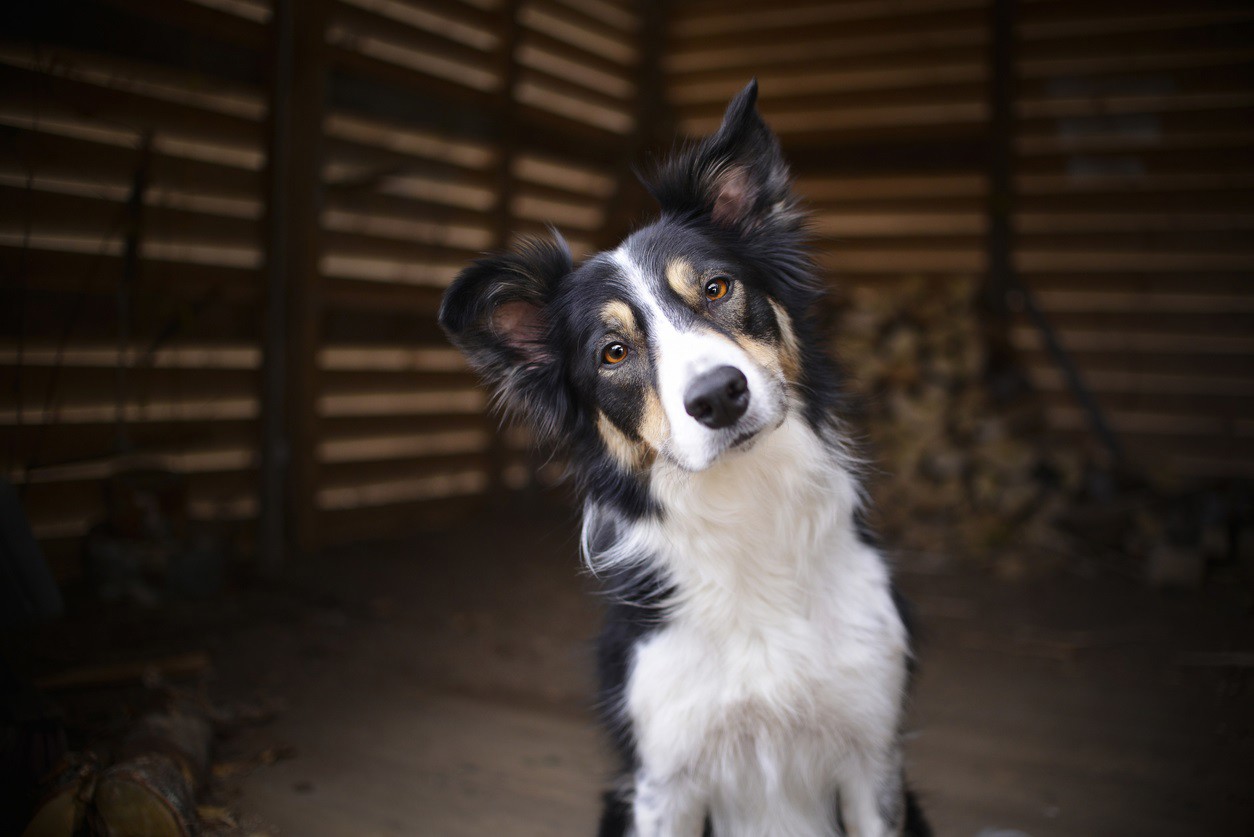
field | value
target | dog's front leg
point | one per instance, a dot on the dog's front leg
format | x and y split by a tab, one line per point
667	806
872	797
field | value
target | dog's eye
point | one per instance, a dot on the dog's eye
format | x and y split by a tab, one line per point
613	354
717	288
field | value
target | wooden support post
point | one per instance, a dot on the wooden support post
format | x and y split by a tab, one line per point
654	123
502	213
1001	371
293	284
1003	286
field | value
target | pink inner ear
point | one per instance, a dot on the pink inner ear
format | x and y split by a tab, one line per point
521	325
733	196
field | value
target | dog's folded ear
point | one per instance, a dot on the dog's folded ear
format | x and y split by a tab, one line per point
497	312
737	177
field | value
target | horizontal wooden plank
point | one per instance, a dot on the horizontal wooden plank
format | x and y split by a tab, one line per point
914	19
75	385
408	489
153	410
1215	243
1230	434
347	198
347	154
961	37
1099	261
407	141
80	215
57	445
389	357
1229	392
353	245
408	230
384	403
1115	197
362	85
883	259
1166	324
1203	344
395	447
569	24
539	93
54	152
354	427
75	316
1165	361
346	382
539	51
132	110
371	282
779	109
849	224
619	16
33	266
360	21
364	475
1132	222
790	86
1146	285
696	20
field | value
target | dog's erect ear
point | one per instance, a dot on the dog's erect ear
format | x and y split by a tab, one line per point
736	177
497	312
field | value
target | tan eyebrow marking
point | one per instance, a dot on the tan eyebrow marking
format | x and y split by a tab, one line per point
682	279
617	316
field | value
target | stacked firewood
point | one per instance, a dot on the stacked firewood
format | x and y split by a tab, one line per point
953	472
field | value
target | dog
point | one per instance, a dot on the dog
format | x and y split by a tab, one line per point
755	658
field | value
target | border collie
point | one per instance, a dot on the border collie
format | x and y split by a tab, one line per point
754	662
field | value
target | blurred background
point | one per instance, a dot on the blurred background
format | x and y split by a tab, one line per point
253	508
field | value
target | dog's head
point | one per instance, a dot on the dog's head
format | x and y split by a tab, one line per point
682	343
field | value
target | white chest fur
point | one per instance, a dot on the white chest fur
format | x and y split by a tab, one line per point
782	666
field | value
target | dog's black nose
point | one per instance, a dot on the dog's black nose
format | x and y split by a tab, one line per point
718	398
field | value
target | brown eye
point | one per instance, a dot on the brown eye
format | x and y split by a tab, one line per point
717	288
614	353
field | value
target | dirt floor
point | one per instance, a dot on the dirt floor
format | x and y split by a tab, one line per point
442	686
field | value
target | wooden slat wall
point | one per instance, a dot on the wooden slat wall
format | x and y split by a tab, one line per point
1134	167
73	123
411	201
443	134
839	79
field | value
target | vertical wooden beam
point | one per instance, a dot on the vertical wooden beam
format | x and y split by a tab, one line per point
294	294
1003	288
506	185
999	209
654	122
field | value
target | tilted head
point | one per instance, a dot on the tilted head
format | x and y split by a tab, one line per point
688	342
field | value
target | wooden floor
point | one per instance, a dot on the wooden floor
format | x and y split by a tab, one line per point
441	688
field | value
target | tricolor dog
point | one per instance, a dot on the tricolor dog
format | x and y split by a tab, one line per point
754	661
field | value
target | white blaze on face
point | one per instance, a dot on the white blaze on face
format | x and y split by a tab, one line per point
681	353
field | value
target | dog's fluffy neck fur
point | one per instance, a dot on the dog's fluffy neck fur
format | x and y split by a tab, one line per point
747	534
